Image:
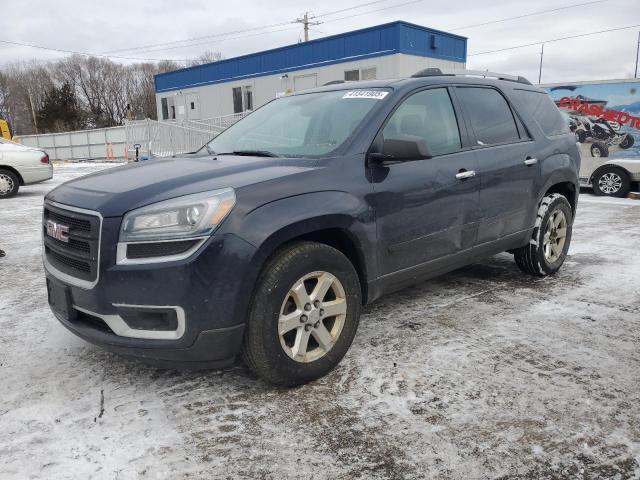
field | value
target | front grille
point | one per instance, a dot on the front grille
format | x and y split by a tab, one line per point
79	256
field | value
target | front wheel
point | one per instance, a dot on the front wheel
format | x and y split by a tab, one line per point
547	249
304	314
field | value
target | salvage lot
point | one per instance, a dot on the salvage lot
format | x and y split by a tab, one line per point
483	372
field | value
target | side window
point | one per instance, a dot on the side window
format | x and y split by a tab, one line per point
490	115
428	114
237	99
352	75
165	108
543	111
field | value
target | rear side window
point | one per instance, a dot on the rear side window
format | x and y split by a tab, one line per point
490	115
543	111
428	114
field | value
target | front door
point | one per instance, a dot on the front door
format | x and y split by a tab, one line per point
425	210
507	165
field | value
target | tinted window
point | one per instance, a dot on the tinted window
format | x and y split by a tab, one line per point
490	115
427	114
543	111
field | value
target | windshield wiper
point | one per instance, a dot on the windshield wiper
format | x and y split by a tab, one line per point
251	153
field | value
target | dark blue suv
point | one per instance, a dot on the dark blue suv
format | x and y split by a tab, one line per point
268	241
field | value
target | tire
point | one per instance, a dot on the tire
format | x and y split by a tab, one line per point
627	141
611	181
599	149
9	184
269	349
533	258
581	135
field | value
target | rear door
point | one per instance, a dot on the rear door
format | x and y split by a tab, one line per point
507	165
424	210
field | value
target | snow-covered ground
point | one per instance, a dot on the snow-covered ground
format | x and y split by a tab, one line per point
481	373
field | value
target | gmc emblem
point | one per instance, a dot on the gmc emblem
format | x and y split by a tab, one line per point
57	231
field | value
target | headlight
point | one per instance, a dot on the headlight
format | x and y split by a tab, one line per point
182	217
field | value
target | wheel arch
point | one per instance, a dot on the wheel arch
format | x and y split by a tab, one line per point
568	190
604	166
333	233
15	172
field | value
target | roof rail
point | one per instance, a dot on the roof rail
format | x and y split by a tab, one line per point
433	72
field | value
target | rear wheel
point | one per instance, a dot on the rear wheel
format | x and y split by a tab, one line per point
304	314
627	141
599	149
611	182
9	183
547	249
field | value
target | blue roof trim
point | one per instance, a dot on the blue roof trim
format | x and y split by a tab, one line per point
380	40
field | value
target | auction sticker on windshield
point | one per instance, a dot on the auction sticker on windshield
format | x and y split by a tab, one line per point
377	94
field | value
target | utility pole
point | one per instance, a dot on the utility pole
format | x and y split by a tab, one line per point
306	21
635	75
540	71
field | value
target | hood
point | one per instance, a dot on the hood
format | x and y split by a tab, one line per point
115	191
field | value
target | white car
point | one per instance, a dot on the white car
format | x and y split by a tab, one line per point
20	165
613	177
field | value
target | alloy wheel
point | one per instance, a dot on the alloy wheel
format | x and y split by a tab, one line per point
610	183
555	236
312	316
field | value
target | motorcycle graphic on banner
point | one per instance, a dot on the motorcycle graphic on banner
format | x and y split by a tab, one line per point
605	116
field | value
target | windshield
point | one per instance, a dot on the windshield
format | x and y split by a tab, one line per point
300	125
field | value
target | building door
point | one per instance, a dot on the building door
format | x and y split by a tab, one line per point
305	82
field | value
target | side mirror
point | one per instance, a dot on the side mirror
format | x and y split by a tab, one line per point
402	148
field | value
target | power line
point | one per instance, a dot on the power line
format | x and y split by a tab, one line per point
540	12
373	11
208	42
193	39
87	54
326	14
552	40
233	32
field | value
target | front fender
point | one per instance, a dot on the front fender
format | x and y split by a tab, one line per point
273	224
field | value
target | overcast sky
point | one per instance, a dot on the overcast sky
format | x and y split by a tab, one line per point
98	27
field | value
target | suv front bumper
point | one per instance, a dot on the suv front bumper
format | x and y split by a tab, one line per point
207	291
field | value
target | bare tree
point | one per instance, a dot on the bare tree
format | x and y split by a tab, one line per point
207	57
105	92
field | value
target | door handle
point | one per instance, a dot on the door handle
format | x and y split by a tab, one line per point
464	174
530	161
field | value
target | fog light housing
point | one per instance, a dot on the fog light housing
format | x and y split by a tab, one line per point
154	319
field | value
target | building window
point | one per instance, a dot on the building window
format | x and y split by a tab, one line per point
242	99
165	108
237	99
173	112
369	73
193	105
352	75
248	98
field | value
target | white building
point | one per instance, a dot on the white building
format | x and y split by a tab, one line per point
235	85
